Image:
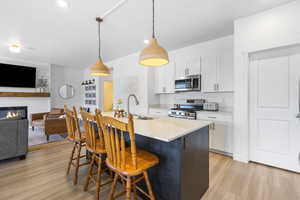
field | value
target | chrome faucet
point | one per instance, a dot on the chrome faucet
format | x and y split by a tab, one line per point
128	99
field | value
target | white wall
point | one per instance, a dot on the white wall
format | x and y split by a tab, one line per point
274	28
66	75
130	78
208	48
34	104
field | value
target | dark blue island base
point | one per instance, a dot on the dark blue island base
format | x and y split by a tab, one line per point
183	171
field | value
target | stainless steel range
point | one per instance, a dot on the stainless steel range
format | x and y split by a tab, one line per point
187	110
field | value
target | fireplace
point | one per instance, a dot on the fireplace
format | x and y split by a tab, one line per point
13	113
13	132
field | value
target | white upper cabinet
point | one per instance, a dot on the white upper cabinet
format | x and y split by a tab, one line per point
225	73
187	65
194	66
181	64
164	79
209	74
217	73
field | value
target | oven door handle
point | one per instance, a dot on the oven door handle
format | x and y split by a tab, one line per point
192	83
298	115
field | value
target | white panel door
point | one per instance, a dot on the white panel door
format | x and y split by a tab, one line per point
274	105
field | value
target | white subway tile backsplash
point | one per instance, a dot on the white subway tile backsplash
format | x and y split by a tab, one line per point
225	100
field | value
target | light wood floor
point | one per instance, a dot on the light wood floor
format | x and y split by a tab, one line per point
42	176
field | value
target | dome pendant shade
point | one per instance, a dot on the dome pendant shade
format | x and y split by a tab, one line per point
99	69
154	55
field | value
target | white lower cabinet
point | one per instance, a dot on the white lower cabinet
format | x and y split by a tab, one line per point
221	137
221	132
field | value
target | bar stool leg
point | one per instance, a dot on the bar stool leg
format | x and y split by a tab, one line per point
134	190
128	188
148	185
113	187
77	164
99	176
71	159
90	173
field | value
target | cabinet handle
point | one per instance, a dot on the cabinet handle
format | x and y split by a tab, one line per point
217	86
212	117
212	126
187	71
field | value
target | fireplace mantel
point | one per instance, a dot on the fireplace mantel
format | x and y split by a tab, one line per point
24	94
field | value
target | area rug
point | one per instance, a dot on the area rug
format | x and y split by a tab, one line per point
38	137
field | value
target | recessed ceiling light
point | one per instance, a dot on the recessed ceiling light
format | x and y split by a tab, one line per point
62	4
15	48
146	41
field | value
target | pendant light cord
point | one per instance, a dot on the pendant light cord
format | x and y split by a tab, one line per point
99	20
153	31
99	40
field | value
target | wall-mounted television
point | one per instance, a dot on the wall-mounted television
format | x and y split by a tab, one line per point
17	76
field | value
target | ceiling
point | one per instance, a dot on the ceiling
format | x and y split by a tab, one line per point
68	37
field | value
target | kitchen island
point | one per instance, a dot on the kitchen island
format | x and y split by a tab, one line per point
183	150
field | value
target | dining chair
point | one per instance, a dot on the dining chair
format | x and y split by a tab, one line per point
129	163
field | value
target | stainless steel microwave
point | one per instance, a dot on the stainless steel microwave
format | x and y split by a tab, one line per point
188	83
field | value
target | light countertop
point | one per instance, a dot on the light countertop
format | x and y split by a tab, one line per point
165	129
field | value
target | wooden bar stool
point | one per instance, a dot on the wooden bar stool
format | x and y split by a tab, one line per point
75	136
95	146
128	163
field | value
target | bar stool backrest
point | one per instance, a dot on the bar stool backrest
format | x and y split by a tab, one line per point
114	136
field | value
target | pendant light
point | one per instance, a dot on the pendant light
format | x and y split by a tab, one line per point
99	69
154	55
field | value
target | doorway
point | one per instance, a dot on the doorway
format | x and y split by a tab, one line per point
108	96
274	106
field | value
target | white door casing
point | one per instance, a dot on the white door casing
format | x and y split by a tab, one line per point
274	104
